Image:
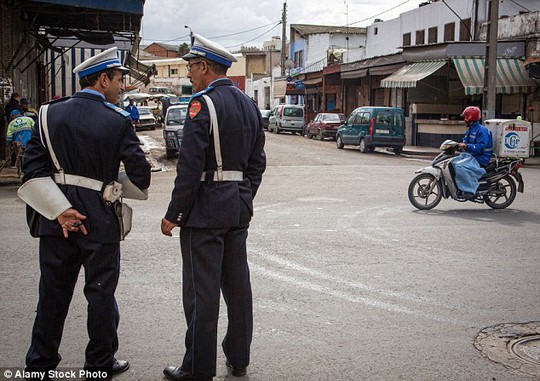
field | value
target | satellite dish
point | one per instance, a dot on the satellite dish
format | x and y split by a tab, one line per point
289	64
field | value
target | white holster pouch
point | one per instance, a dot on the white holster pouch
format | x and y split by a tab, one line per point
130	190
44	196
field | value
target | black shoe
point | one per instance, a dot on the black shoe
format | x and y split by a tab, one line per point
119	366
236	371
177	374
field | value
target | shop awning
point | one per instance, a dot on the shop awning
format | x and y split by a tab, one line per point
409	75
511	75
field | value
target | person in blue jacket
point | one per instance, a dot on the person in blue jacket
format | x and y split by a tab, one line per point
477	147
477	140
133	111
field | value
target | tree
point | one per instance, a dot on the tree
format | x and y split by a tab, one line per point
183	49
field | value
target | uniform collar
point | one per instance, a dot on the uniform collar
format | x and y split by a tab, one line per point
220	82
95	92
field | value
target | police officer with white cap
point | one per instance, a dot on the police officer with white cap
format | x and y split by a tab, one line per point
89	136
219	170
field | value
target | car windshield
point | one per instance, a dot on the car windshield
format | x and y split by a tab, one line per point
293	111
265	113
336	118
176	116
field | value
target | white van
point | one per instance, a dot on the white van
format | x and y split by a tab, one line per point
287	118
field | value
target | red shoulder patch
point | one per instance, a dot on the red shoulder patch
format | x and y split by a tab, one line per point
194	109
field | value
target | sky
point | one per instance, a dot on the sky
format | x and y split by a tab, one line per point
237	23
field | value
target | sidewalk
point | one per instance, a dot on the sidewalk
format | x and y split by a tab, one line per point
432	152
8	176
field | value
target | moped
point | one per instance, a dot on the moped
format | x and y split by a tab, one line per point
497	187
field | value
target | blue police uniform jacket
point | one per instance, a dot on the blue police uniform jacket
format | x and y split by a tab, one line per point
210	204
90	138
479	143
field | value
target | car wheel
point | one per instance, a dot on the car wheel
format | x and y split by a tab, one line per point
398	150
362	146
153	128
339	143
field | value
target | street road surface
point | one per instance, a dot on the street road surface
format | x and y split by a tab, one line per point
350	282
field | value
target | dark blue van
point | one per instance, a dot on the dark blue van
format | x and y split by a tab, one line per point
370	127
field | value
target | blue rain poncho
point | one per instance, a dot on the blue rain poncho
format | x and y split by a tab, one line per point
468	172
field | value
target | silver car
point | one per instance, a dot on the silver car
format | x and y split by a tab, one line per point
173	130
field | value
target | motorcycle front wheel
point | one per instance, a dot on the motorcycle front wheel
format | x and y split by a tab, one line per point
425	192
501	194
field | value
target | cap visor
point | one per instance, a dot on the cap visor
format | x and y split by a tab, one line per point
190	56
123	69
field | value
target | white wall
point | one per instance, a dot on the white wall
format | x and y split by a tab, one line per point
390	33
318	45
387	40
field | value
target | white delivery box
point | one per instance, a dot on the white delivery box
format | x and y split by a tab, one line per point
511	137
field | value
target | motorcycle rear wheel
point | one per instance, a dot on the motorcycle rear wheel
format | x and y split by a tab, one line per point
420	194
501	194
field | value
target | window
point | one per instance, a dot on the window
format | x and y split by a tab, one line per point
407	39
420	37
376	30
384	118
398	119
464	30
432	35
299	58
449	31
364	119
174	71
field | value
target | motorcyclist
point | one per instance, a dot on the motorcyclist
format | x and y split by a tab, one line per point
477	140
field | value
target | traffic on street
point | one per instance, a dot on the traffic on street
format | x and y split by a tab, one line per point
350	281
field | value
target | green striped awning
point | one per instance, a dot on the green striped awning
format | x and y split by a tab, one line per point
511	75
408	75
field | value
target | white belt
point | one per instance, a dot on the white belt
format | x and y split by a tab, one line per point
227	176
79	181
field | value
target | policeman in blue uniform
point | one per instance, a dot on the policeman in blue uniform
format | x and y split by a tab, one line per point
213	205
90	137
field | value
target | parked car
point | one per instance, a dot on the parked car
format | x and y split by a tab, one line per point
146	118
266	118
370	127
173	130
287	118
324	125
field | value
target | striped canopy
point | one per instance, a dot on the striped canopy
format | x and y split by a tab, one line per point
409	75
511	75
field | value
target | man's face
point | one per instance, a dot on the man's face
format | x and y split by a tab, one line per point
196	70
114	87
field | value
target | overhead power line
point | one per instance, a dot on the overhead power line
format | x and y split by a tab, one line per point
378	14
242	44
186	37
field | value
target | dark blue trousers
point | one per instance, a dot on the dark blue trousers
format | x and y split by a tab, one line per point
60	261
214	260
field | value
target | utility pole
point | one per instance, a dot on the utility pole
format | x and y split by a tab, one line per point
490	72
283	38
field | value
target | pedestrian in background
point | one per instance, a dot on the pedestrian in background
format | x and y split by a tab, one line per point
28	110
90	137
219	170
13	104
133	111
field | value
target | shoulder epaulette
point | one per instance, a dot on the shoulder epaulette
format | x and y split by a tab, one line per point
202	92
119	110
